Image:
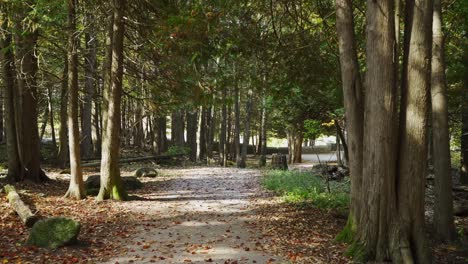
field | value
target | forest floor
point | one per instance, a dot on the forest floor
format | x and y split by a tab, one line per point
185	215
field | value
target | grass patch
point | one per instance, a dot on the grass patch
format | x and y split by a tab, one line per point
298	187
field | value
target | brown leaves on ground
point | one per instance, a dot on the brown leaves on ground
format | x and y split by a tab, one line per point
301	234
104	226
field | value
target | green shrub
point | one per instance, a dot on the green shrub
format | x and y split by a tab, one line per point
296	187
177	150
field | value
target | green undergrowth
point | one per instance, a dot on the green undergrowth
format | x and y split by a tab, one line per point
300	187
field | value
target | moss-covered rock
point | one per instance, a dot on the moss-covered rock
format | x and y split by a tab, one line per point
129	183
145	172
54	232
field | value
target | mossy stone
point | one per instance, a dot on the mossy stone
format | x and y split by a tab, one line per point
54	232
145	172
129	183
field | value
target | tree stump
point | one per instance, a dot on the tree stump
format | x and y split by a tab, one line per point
279	162
20	207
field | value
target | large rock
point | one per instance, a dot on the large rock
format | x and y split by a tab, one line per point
54	232
145	172
130	183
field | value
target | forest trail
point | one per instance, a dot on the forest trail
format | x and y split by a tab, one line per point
200	215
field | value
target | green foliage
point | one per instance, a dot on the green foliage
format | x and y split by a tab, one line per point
177	150
54	232
312	129
296	187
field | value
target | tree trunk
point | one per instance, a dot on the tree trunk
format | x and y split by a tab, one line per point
354	111
177	128
237	127
464	130
62	155
23	211
263	132
412	170
201	134
76	187
192	127
15	169
222	136
27	126
97	121
51	117
208	133
45	119
89	90
111	182
379	145
343	141
245	143
443	204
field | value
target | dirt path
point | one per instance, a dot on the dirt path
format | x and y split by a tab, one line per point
201	215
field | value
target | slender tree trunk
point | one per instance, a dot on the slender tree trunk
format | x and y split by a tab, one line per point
62	155
443	204
97	121
90	87
464	130
192	127
76	187
45	119
111	182
245	143
201	135
177	128
263	132
222	136
208	133
15	169
237	127
354	110
51	117
343	141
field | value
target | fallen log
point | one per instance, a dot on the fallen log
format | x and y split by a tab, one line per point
20	207
129	160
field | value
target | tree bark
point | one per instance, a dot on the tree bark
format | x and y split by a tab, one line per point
192	127
177	128
415	98
201	135
89	90
245	143
263	131
62	155
222	136
464	130
45	119
111	182
237	127
379	141
354	110
443	204
15	169
23	211
27	126
76	187
51	117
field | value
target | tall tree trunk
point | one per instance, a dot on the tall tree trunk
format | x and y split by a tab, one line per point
76	187
111	182
201	134
26	42
222	136
15	169
192	127
51	117
208	133
62	155
245	143
177	128
354	111
90	87
237	146
45	119
263	131
412	170
464	130
443	204
97	121
379	142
